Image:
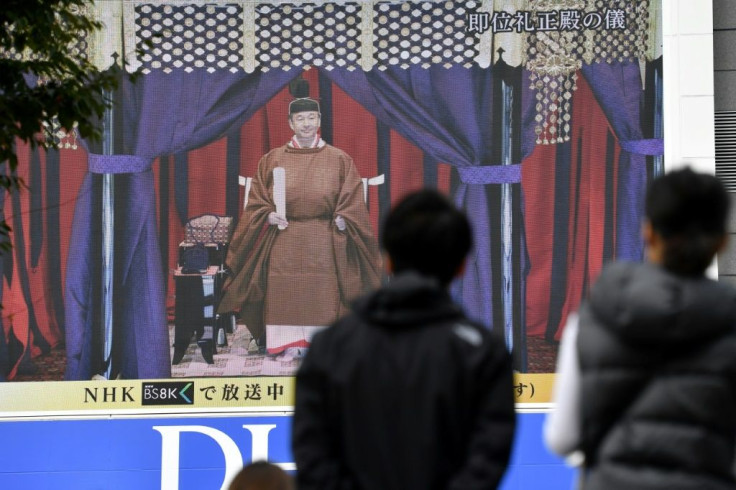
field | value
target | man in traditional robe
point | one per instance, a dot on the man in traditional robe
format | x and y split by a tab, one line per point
302	266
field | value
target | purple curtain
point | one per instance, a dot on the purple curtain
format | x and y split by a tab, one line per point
448	114
159	114
618	89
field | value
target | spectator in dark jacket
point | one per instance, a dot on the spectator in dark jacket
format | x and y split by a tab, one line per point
646	387
406	393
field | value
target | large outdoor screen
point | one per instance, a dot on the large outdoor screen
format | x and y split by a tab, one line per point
147	272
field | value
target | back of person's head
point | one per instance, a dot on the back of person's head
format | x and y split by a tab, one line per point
261	475
689	211
427	234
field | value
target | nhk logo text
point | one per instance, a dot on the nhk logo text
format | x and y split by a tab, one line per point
168	393
109	394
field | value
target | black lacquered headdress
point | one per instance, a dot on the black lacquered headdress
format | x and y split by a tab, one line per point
299	89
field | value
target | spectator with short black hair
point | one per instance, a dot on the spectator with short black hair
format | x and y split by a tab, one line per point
406	393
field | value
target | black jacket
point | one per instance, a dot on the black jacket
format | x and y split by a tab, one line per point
404	393
658	364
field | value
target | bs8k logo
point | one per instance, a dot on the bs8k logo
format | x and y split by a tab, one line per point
168	393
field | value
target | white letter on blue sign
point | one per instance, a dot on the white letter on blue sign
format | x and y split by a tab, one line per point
170	452
170	442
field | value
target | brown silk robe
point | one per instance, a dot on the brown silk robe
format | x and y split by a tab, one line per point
308	273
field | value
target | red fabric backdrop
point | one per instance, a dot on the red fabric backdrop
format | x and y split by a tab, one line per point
354	131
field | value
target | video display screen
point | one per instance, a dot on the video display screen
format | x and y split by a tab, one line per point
234	205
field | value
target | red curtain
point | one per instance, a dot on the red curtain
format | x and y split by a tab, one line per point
18	311
586	195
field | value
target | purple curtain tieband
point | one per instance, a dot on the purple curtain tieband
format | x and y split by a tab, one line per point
644	147
491	174
117	164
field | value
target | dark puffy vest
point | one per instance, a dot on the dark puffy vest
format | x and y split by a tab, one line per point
658	361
